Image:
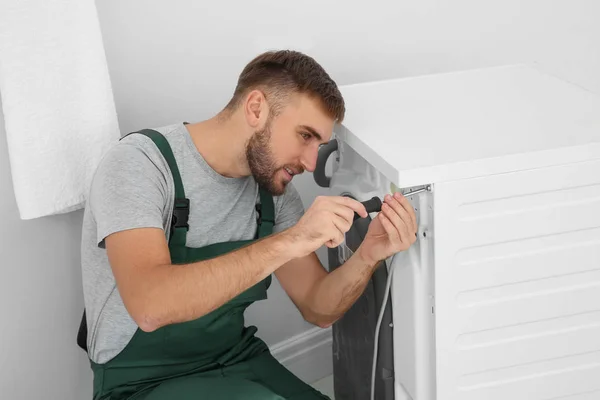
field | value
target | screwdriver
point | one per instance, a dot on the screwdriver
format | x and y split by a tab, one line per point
374	204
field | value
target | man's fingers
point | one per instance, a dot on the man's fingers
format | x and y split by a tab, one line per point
388	226
400	226
404	215
342	211
354	205
403	201
337	235
342	224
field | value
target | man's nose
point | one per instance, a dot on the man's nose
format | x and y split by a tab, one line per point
309	159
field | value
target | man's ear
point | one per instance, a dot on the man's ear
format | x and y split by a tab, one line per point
255	109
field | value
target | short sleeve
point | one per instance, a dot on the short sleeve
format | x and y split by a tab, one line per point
289	209
128	191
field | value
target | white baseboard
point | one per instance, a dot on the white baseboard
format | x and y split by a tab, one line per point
307	355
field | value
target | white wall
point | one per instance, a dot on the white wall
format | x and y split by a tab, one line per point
173	61
40	301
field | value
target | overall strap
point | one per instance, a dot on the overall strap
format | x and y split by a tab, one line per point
181	209
266	214
179	225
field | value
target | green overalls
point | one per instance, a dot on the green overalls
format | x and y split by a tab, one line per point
213	357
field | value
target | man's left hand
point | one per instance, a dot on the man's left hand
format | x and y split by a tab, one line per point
391	231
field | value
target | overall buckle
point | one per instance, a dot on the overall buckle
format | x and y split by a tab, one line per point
258	214
181	213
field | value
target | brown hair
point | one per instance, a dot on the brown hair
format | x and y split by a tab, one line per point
280	73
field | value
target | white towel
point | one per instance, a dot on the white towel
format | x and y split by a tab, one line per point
57	100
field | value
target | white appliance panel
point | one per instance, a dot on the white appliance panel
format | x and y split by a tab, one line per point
517	285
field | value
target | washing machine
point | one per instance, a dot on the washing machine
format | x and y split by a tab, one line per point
499	298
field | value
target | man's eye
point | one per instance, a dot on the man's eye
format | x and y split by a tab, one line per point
305	136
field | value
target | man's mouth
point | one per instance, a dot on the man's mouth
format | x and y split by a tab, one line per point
290	172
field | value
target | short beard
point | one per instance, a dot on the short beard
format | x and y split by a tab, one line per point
261	161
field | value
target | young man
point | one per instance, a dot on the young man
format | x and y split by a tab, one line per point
167	280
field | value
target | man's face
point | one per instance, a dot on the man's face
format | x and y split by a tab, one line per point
289	143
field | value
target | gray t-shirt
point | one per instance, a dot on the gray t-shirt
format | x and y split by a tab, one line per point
133	188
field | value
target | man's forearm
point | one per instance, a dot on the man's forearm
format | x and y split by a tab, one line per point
339	290
179	293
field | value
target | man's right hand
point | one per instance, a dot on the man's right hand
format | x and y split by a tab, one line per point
325	223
